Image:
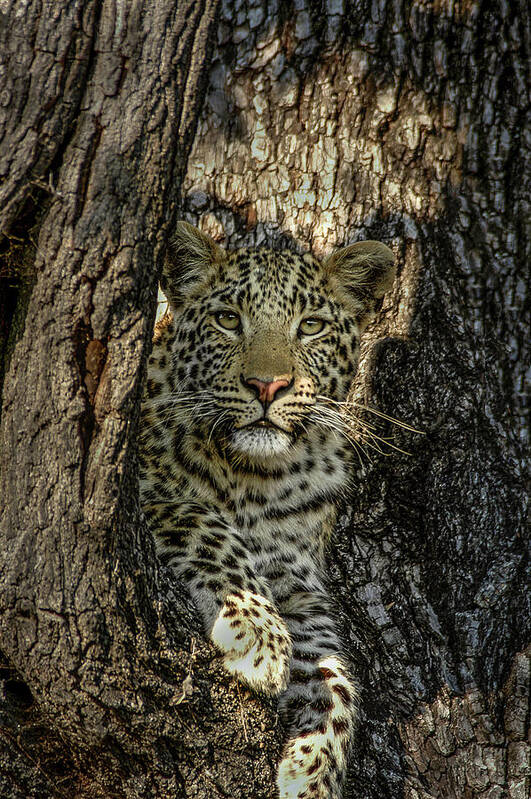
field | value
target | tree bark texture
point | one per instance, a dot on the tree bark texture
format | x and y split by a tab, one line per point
328	122
107	688
324	122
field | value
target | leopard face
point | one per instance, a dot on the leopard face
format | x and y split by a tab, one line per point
262	338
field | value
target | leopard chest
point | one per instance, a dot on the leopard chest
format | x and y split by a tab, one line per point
283	521
288	550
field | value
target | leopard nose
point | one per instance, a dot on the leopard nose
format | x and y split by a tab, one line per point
266	389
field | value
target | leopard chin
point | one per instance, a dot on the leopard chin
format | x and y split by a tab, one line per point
256	442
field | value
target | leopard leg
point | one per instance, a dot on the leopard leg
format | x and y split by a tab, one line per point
236	604
319	705
255	641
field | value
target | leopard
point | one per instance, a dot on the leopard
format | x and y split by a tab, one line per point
244	460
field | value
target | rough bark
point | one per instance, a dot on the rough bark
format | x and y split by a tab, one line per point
106	688
329	122
324	123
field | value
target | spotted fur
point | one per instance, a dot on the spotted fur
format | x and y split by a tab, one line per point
243	461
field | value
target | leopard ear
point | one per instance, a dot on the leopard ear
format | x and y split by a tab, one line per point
191	258
363	272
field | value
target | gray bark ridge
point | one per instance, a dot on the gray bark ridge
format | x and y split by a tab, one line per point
46	58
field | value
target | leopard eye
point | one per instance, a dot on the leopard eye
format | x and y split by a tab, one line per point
227	320
311	326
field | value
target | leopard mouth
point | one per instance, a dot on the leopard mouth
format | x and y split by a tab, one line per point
264	424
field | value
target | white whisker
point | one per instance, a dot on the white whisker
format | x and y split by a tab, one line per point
216	423
348	408
357	431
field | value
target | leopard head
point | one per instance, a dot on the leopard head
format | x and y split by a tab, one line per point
260	336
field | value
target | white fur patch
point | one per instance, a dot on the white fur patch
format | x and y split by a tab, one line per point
255	642
260	442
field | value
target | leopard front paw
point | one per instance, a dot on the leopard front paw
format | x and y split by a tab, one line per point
308	770
254	640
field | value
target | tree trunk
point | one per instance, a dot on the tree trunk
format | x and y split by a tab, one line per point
324	123
331	122
107	689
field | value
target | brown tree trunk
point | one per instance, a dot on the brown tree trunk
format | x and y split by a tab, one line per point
324	123
328	122
105	686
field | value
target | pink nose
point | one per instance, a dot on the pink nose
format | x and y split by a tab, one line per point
267	388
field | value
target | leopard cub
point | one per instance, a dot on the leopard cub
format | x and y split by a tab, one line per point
243	457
